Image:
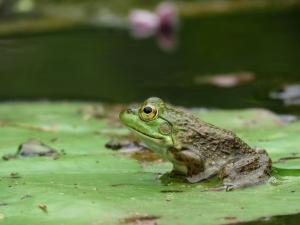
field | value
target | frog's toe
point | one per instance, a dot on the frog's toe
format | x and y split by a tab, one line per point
230	187
227	187
193	179
216	189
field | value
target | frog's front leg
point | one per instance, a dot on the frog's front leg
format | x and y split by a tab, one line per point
188	163
249	170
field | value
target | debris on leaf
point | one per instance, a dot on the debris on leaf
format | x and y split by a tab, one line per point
230	218
118	185
226	80
54	139
128	143
141	220
26	197
171	191
43	207
169	197
8	157
133	148
92	111
289	94
101	111
15	175
145	155
116	144
284	159
32	148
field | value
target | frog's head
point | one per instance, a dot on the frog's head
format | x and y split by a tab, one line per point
148	122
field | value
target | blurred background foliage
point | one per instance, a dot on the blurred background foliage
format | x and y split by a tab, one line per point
74	49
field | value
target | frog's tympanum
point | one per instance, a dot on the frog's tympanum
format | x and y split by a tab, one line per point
197	150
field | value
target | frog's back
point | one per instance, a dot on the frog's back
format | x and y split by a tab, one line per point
210	141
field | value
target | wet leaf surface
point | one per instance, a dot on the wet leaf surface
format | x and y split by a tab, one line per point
94	185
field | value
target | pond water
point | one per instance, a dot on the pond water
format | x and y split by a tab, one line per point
94	63
106	64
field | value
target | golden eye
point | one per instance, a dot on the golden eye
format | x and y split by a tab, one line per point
148	112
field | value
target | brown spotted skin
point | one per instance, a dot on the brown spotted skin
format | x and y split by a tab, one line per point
200	146
198	150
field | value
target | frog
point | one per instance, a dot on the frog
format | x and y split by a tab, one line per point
198	150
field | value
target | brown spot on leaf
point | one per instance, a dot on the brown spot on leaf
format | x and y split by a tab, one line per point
15	175
284	159
118	185
7	157
141	220
115	144
43	207
230	218
54	139
171	191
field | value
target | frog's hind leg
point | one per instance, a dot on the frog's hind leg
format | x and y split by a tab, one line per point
249	170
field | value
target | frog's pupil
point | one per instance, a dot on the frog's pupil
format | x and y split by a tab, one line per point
147	109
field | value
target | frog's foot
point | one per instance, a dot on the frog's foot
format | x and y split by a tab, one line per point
224	187
208	173
196	178
251	170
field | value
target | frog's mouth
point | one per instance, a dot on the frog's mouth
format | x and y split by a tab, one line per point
144	134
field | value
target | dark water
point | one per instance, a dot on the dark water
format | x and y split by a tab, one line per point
105	64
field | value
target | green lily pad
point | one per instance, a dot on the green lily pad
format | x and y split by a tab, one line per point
90	184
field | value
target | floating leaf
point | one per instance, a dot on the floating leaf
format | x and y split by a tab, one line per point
94	185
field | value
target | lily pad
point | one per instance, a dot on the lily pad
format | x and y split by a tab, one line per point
94	185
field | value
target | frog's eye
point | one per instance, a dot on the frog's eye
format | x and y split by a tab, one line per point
148	112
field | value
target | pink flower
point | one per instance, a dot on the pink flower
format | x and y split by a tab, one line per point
143	23
162	23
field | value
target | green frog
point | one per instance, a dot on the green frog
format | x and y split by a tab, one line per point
197	150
